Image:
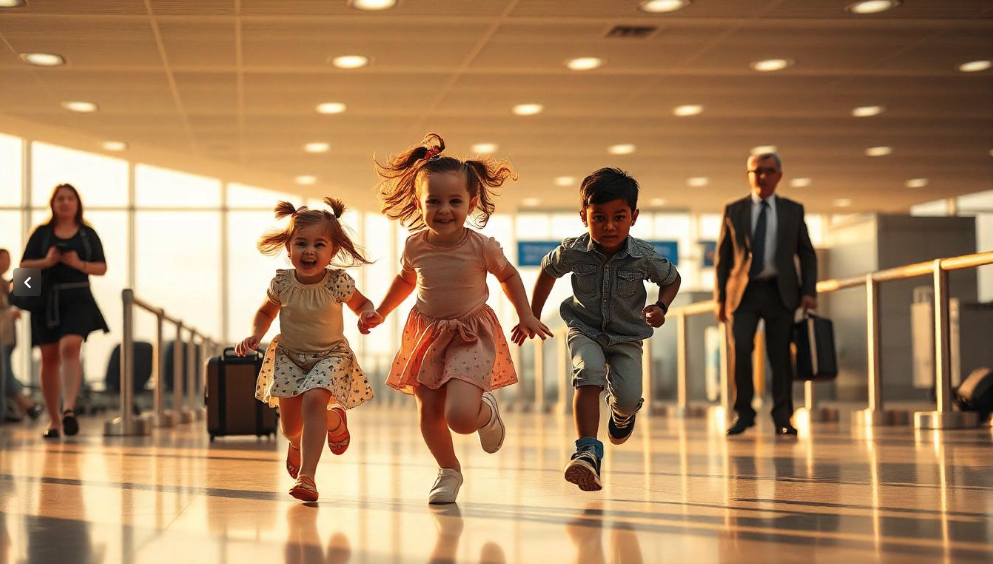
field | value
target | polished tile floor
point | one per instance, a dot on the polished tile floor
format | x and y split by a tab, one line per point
678	492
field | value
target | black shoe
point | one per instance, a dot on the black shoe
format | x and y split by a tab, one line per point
50	434
584	470
739	426
69	423
785	430
35	411
618	429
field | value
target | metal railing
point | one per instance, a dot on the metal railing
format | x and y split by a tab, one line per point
187	396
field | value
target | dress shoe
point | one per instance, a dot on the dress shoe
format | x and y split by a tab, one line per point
785	430
739	426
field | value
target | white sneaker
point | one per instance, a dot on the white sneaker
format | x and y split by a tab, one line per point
492	434
446	487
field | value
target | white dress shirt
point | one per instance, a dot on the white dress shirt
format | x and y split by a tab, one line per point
771	225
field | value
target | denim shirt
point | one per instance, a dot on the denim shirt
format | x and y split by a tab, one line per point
608	295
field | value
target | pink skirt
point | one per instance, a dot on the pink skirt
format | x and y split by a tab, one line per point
433	351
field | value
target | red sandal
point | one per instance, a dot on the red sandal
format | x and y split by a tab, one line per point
304	489
339	443
293	469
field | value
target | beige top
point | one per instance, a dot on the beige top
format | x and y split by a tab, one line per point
451	281
310	317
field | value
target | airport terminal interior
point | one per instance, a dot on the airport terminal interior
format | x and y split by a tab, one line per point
180	124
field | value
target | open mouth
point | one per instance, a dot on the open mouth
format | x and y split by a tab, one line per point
308	263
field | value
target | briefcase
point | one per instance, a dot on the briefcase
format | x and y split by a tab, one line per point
814	357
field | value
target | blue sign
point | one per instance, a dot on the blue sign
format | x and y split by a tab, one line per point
530	253
668	250
709	249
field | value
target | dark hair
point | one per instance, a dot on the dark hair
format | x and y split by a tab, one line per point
275	241
4	252
398	189
79	201
607	184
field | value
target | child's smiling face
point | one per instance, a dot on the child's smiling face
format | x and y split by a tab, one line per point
444	201
311	251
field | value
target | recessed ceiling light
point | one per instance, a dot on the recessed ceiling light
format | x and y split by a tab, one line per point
658	201
770	65
305	180
372	5
80	107
114	145
43	59
531	202
484	148
11	3
872	6
330	108
842	202
570	180
317	147
763	149
916	183
662	6
350	61
697	181
688	110
878	151
584	63
975	66
800	182
528	109
621	149
868	111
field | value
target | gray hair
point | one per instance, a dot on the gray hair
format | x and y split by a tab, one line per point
764	156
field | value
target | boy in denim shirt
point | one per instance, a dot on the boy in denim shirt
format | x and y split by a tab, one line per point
606	316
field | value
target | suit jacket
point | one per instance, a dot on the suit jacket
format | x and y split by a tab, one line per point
734	254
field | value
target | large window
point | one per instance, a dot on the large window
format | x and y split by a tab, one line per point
10	170
101	181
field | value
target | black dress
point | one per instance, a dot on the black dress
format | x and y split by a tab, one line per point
70	308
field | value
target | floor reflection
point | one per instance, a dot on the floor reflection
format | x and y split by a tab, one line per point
304	544
586	533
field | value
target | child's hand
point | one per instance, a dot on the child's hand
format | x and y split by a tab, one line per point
249	344
528	328
368	320
654	315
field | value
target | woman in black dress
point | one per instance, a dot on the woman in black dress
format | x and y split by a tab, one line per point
68	251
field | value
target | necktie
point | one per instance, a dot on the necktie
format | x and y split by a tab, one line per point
758	244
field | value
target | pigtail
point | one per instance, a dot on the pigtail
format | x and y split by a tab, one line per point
352	253
275	240
398	190
482	177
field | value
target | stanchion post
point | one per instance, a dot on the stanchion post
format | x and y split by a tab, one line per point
126	424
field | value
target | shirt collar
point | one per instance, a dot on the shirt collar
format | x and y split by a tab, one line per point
585	243
771	199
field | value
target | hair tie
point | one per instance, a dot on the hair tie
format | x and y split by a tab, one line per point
432	153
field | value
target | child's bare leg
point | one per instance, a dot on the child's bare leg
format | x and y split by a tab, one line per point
315	429
586	407
291	419
434	428
465	411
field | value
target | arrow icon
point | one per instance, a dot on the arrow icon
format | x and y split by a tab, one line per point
26	282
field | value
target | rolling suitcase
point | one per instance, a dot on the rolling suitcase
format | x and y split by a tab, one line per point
230	396
814	357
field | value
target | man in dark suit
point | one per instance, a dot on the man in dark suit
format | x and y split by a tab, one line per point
757	279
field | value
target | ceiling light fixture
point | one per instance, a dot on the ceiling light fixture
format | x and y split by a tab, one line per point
115	146
878	151
916	183
11	3
528	109
872	6
763	149
688	110
330	108
570	180
698	181
584	63
531	202
868	111
43	59
658	201
372	5
621	149
843	202
771	65
305	180
350	61
662	6
484	148
975	66
79	106
801	182
317	147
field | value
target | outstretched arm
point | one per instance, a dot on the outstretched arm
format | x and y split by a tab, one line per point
359	304
654	315
263	319
542	288
401	287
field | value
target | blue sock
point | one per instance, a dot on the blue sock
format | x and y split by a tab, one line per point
590	441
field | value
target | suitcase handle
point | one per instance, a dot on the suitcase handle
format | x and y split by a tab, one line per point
229	353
